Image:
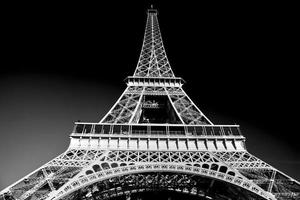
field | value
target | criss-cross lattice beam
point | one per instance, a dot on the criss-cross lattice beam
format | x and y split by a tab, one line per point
164	181
153	61
104	173
188	112
53	174
239	159
137	111
128	106
124	108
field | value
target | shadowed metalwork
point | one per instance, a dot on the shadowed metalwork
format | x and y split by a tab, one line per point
154	138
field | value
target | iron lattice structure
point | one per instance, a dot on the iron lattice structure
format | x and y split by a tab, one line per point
155	138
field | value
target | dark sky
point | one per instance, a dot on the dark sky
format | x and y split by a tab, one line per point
65	62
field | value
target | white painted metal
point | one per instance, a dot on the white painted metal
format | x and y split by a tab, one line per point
197	146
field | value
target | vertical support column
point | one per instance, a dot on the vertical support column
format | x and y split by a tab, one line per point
137	111
272	181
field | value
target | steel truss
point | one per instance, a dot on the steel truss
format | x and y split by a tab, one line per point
128	107
79	168
142	182
106	163
153	61
117	163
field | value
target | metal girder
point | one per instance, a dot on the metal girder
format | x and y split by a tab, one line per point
132	184
100	161
128	108
187	110
153	61
53	174
205	162
108	171
241	159
87	166
123	109
261	173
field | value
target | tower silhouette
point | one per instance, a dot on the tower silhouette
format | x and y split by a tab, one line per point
154	138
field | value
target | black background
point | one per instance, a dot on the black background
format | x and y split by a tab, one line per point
239	59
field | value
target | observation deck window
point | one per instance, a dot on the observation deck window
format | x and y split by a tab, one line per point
106	129
98	129
79	128
227	131
87	128
141	130
217	130
199	130
191	130
158	130
176	130
209	131
116	129
235	131
124	129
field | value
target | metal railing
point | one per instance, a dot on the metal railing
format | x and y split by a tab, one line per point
157	129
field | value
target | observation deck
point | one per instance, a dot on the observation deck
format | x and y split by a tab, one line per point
157	137
94	129
154	81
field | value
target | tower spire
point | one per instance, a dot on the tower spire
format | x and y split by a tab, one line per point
154	89
153	61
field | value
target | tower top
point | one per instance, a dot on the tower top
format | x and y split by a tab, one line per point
153	61
154	95
152	11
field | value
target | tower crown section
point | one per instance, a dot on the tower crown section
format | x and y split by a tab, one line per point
153	61
153	94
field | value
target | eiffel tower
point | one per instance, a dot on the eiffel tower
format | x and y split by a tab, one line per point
154	139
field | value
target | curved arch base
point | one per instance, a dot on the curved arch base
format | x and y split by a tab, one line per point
136	185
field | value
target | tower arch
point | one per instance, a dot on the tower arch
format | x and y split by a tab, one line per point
87	184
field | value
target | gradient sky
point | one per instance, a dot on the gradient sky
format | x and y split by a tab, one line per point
67	62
